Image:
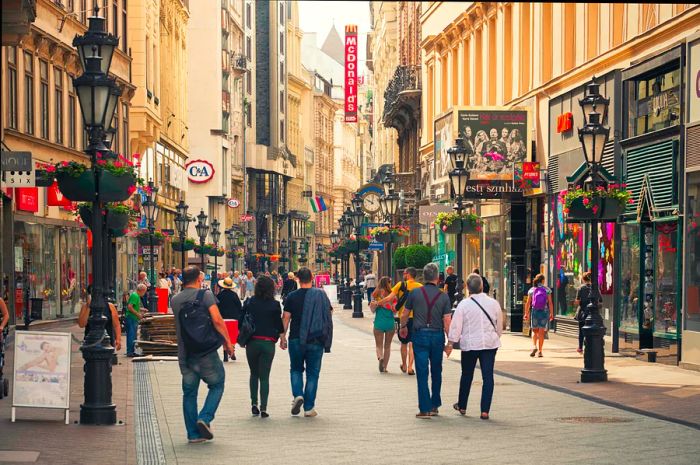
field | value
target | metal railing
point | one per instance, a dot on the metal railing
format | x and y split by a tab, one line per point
405	78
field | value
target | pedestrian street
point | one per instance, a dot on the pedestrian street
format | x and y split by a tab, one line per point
366	417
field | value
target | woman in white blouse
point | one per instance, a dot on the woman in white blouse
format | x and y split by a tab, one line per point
476	327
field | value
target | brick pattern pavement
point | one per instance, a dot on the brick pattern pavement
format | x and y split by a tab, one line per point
368	417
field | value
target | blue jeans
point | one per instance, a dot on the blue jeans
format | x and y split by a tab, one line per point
370	290
428	346
209	369
131	326
487	358
307	357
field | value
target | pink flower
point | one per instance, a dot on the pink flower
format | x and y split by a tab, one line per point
631	201
693	225
136	155
118	164
595	208
132	189
64	163
99	155
586	201
444	228
566	210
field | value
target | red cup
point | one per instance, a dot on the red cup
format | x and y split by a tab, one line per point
232	327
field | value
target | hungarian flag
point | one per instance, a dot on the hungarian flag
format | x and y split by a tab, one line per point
317	204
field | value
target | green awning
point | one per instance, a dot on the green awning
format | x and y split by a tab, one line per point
649	175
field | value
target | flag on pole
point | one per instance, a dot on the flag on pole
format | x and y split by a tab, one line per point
317	204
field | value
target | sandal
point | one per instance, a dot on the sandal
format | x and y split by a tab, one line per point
539	354
484	416
534	351
462	411
403	368
411	372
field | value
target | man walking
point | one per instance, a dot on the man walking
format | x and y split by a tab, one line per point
307	314
200	331
370	285
431	322
400	292
451	284
133	316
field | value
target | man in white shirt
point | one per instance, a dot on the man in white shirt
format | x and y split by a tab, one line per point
370	285
477	326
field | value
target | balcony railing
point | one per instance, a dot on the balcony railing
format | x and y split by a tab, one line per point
406	78
239	62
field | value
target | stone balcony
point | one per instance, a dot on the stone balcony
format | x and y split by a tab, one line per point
402	97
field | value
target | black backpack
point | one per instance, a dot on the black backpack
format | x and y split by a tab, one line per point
246	326
197	329
401	301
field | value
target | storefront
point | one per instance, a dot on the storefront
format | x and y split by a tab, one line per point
650	256
690	352
568	251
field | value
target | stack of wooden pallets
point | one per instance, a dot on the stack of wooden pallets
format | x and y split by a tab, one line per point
158	337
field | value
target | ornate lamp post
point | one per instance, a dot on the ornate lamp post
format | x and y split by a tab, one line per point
284	250
215	236
250	243
231	244
182	221
346	226
98	96
458	178
202	231
593	136
390	204
357	217
149	209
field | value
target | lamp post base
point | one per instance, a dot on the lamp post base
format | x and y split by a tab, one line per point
153	301
594	349
98	408
347	298
357	311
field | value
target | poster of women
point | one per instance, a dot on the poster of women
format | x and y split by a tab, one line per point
42	370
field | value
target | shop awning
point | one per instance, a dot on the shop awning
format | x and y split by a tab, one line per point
650	179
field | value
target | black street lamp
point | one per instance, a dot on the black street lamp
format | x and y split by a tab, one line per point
593	137
149	209
357	217
202	231
390	205
250	243
232	243
182	221
284	251
346	227
98	96
215	236
458	178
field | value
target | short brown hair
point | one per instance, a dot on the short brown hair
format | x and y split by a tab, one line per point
539	279
587	277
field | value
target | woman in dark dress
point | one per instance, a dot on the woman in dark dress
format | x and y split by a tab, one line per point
260	350
290	285
229	305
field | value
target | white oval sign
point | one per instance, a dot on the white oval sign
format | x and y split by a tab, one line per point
233	203
199	171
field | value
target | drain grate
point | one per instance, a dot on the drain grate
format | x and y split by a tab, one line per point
598	420
149	447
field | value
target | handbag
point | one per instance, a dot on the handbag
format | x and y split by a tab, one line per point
246	327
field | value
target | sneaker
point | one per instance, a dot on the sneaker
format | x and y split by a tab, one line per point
296	405
264	414
539	354
196	440
204	430
310	413
255	411
434	412
534	351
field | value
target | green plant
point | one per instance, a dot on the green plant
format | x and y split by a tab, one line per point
401	231
418	255
145	234
444	220
70	168
399	258
350	245
618	192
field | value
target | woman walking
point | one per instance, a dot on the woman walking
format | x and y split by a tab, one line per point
289	285
260	350
384	326
229	306
539	306
476	326
249	284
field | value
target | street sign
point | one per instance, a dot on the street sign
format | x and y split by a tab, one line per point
246	217
233	203
374	245
16	161
19	178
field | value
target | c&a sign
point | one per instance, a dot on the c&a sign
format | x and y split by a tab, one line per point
199	171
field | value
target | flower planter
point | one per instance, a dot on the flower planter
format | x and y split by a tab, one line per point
43	178
599	209
198	249
383	237
146	240
182	247
115	222
81	188
467	227
217	253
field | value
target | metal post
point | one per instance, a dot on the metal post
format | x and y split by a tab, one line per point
201	244
460	277
182	252
347	290
152	296
357	296
97	349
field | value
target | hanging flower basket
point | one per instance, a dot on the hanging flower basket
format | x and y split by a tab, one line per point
604	203
216	251
387	234
115	221
454	223
113	188
43	178
183	246
284	260
303	260
600	209
144	238
201	250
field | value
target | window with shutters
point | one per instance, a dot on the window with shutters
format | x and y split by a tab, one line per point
58	104
28	93
654	102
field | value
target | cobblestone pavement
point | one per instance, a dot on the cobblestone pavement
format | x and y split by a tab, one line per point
368	417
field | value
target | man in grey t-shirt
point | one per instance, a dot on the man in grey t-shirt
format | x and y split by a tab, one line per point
196	368
431	322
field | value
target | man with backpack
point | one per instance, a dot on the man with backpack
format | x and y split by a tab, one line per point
400	292
200	332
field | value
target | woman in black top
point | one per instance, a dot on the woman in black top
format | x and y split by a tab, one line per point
260	351
112	326
290	285
229	305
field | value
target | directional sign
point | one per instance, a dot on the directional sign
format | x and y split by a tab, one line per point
374	245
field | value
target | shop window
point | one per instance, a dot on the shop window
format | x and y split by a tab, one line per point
28	93
667	285
569	262
630	277
692	259
58	104
44	98
72	109
654	102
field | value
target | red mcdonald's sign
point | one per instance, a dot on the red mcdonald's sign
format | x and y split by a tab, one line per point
351	73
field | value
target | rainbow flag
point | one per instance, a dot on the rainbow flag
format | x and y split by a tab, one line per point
317	204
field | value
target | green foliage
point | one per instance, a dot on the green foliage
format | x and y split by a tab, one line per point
418	255
399	258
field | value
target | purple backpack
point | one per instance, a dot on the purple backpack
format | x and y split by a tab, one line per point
539	298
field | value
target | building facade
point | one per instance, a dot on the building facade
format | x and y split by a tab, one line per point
45	251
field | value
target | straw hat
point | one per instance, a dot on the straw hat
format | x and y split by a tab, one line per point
227	283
